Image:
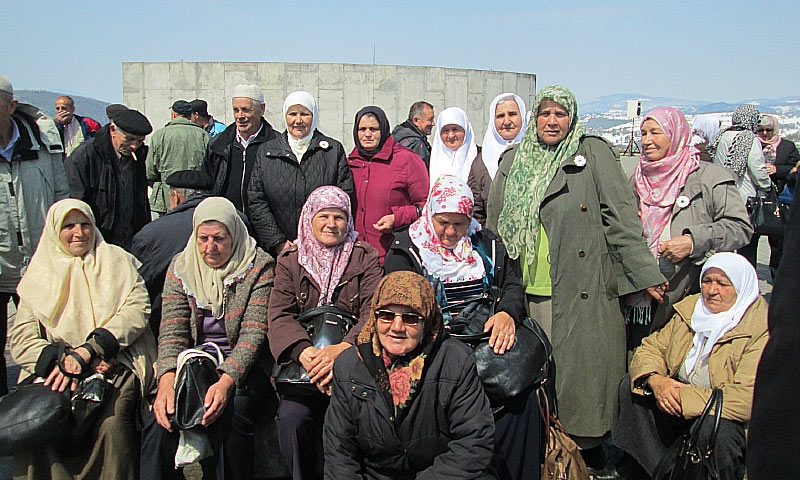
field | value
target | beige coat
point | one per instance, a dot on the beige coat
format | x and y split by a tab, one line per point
732	363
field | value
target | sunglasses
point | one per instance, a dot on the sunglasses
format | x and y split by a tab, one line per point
765	130
388	316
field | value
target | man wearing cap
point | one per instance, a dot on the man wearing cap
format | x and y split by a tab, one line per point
201	117
160	240
74	129
31	179
180	145
108	173
232	154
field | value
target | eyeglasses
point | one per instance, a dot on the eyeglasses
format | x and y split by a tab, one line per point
388	316
765	130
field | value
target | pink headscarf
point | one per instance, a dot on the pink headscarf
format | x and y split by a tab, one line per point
658	183
460	263
325	264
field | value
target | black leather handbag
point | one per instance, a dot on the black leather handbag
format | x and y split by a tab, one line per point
767	213
503	376
326	325
31	415
197	371
686	459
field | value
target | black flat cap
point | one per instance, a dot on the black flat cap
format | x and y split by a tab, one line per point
190	179
114	109
182	107
199	106
133	122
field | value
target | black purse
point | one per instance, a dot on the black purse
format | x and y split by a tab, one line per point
326	325
507	375
686	459
31	415
197	371
767	213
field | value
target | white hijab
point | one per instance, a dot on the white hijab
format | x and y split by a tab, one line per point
448	162
304	99
710	327
704	128
493	144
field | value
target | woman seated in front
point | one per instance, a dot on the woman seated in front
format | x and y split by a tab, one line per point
407	402
714	340
85	295
326	265
216	290
462	261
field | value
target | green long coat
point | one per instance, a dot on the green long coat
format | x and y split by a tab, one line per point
597	255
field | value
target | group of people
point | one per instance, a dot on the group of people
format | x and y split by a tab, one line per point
257	227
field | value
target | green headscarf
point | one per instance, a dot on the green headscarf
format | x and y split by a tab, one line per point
534	167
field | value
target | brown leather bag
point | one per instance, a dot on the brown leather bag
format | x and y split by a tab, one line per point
562	458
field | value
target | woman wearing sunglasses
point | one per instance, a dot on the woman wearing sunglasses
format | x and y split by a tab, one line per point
407	402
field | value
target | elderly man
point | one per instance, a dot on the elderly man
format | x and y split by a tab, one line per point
73	129
413	133
201	117
160	240
232	154
31	179
180	145
108	173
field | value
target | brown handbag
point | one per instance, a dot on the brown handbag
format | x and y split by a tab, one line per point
562	458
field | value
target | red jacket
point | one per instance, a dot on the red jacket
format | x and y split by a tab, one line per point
394	181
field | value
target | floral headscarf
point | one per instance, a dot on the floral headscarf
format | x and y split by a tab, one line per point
325	264
745	121
659	182
461	262
534	167
400	378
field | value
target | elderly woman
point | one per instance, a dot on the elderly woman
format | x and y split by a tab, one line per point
689	210
507	123
462	261
407	402
288	168
327	265
737	149
704	129
216	290
781	157
454	147
714	340
566	213
84	294
391	180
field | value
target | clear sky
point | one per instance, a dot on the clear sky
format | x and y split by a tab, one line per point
697	50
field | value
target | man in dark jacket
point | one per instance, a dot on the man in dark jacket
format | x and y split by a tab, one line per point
232	154
108	173
162	239
73	129
413	133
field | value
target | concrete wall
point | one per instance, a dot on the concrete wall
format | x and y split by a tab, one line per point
340	89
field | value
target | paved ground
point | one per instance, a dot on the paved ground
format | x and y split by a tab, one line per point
763	280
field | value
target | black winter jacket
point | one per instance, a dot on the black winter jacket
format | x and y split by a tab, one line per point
448	431
280	185
93	175
408	135
404	255
223	152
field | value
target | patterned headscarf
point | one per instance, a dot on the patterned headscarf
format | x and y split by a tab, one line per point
325	264
461	262
534	167
745	121
400	378
659	182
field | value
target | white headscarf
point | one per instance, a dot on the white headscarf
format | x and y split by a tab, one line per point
704	128
710	327
493	143
304	99
448	162
207	284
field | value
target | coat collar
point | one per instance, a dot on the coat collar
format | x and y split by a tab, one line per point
751	324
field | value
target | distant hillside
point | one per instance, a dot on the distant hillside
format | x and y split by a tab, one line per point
619	102
84	106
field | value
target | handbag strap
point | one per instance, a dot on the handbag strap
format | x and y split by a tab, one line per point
715	403
306	316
